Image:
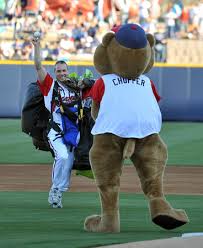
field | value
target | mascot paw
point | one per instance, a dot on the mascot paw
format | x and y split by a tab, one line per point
92	223
165	216
172	220
95	223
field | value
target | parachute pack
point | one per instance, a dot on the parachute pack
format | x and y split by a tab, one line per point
35	121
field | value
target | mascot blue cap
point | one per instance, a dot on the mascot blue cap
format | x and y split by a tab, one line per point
130	36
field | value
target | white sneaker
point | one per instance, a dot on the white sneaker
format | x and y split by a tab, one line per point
55	198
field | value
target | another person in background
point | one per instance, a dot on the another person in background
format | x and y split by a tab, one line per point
160	44
66	99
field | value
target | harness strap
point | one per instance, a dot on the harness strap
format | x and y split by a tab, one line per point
57	101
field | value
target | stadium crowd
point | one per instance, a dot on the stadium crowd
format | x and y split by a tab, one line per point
71	27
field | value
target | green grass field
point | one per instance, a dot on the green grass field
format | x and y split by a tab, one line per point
26	221
184	141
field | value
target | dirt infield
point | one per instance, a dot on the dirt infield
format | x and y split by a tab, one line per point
177	180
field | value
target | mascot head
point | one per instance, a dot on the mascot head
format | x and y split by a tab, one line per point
126	50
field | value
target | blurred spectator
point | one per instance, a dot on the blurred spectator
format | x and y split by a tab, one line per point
122	6
144	12
67	43
160	43
17	54
76	27
26	51
184	21
1	53
200	21
78	32
31	7
173	16
10	8
2	8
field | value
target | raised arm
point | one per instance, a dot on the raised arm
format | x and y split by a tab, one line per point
41	71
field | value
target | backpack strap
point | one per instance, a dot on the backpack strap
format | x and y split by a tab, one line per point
55	101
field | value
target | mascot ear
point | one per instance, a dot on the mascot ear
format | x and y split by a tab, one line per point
151	39
101	59
107	38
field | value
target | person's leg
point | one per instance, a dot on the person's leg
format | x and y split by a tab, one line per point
62	166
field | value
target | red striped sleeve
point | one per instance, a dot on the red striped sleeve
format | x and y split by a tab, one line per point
98	90
158	98
46	85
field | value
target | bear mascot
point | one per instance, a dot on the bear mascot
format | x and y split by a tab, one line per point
127	125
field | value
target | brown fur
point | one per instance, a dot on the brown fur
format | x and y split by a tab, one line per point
110	51
148	155
128	148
